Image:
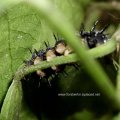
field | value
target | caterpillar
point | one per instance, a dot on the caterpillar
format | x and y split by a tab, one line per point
92	39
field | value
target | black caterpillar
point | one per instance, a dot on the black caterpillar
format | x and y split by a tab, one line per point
92	38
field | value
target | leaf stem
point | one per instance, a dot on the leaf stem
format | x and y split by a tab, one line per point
95	53
61	24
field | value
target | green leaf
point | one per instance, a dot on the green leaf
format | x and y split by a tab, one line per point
21	27
12	102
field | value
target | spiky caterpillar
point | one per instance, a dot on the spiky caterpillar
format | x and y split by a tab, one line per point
92	38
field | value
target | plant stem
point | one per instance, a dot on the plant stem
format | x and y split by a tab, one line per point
59	22
95	53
